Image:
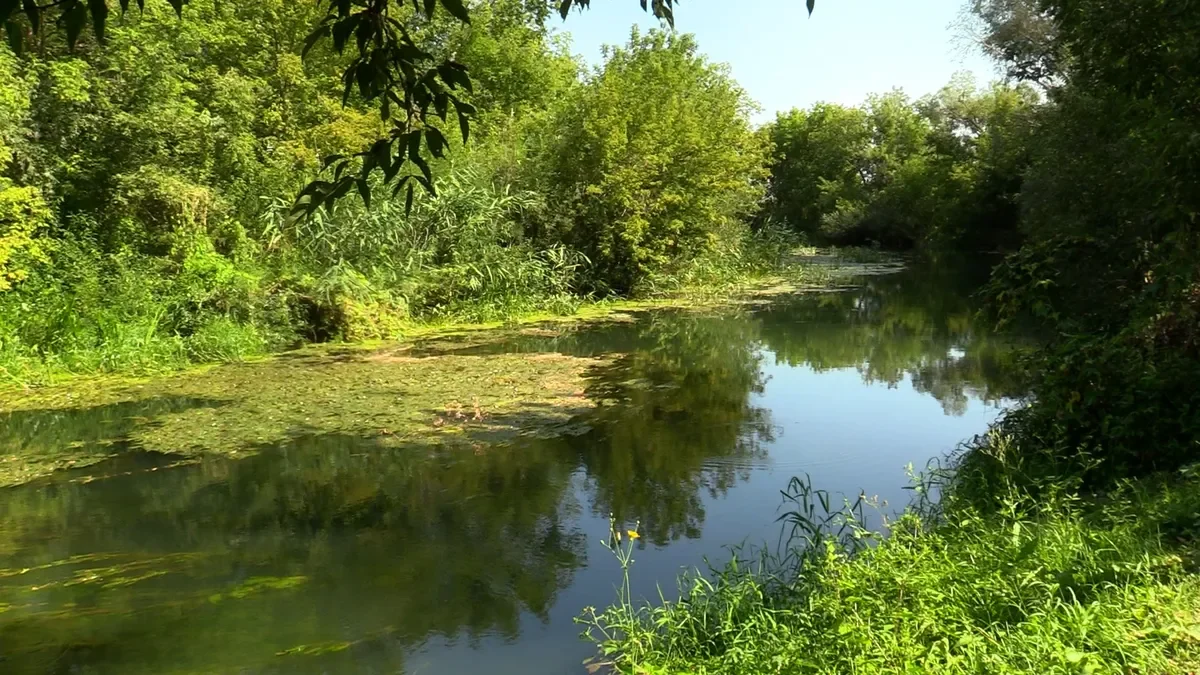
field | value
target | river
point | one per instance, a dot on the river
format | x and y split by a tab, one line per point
330	552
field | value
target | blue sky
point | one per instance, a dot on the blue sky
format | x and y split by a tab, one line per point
784	59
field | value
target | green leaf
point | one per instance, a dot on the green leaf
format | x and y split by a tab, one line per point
381	154
464	110
564	8
342	30
464	126
313	38
177	4
427	184
99	12
458	9
811	4
455	75
424	167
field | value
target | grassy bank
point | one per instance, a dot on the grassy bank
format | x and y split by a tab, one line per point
426	388
1064	581
131	348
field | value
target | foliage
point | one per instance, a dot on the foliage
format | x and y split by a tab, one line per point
149	182
1109	272
1021	35
942	172
653	162
1055	585
1065	540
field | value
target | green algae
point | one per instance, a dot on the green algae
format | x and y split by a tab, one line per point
239	409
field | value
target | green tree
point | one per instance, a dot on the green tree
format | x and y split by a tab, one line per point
654	161
818	159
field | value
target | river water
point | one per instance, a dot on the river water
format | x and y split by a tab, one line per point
326	555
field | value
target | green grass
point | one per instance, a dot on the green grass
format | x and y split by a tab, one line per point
1064	583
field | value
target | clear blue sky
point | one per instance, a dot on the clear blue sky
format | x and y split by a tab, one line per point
784	59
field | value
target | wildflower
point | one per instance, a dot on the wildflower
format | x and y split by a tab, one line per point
633	534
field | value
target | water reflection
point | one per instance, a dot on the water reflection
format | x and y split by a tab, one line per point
338	553
918	324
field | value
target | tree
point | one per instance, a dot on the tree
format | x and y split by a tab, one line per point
389	68
655	161
817	159
1020	34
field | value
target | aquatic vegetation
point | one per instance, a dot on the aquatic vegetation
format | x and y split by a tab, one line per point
239	408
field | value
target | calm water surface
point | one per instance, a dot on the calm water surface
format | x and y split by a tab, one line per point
330	555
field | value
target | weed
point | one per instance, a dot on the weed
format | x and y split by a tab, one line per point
1060	584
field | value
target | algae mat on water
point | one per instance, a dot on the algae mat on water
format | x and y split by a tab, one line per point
239	409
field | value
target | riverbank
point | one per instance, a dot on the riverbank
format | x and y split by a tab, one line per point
304	493
1061	581
801	270
425	388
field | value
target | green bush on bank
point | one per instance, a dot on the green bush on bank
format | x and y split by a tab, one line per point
1059	583
145	186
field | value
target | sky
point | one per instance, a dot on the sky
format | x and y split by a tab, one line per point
785	59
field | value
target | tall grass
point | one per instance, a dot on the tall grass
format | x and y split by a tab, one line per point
1060	584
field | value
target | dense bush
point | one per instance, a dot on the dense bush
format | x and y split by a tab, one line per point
653	163
943	172
147	184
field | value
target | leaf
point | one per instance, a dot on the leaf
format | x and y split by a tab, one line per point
75	18
436	142
7	7
99	12
364	191
427	184
424	167
408	202
342	30
16	37
564	8
455	75
34	14
177	4
464	123
811	4
399	186
313	38
381	154
458	9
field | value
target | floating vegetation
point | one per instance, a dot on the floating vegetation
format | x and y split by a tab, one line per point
239	409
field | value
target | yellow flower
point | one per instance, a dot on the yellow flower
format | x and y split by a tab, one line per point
633	534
